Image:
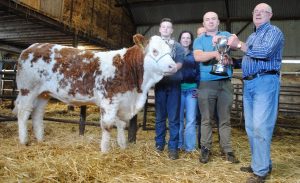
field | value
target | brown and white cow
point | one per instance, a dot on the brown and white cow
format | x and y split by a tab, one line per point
116	81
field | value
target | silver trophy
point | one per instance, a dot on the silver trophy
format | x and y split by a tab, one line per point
223	48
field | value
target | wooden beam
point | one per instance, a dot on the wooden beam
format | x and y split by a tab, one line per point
10	48
155	2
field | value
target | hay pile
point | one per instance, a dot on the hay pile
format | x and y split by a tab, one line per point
65	156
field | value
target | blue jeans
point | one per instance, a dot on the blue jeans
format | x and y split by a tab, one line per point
260	108
167	104
188	108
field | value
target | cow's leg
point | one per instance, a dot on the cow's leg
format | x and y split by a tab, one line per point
37	118
105	141
24	108
121	133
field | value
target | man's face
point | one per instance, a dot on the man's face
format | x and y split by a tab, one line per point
262	13
211	22
166	29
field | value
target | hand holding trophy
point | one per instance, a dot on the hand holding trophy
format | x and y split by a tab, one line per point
222	47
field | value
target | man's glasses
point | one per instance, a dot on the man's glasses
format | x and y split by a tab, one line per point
260	12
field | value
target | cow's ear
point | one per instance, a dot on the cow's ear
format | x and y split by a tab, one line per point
140	40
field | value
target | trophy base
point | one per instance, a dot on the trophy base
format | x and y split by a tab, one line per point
219	69
219	73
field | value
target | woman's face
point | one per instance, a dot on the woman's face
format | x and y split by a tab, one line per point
186	40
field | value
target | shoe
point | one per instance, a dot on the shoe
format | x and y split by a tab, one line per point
159	149
173	154
231	157
205	152
222	154
180	149
247	169
256	179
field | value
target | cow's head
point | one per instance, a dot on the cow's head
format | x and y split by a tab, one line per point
158	61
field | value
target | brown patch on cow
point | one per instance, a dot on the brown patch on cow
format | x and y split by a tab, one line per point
39	50
24	92
45	95
129	72
79	69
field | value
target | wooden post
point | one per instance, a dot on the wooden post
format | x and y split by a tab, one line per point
132	129
82	120
145	114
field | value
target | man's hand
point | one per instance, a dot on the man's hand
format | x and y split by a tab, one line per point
217	55
227	60
195	93
215	39
233	42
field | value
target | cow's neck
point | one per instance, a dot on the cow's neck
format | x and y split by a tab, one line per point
134	63
148	82
129	73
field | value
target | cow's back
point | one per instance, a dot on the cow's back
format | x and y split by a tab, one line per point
60	71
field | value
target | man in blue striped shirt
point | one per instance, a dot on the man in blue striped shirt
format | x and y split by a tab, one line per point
261	65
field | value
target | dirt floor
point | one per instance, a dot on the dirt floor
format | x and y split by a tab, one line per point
64	156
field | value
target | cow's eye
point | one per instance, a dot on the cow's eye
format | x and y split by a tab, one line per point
155	52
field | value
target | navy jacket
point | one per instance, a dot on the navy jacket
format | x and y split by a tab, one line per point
190	69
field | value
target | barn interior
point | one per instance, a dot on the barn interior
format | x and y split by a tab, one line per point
102	25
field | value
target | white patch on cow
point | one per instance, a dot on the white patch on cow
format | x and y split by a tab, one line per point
106	58
58	47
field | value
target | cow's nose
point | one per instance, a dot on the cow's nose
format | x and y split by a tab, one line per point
173	68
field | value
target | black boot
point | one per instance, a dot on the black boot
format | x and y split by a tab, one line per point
231	157
204	154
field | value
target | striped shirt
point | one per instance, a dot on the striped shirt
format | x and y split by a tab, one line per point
264	53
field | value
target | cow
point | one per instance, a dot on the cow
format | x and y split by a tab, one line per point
116	81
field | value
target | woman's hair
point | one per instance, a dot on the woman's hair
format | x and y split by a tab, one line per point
192	38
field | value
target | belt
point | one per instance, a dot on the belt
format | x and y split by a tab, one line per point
250	77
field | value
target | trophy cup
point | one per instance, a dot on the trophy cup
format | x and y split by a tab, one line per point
222	47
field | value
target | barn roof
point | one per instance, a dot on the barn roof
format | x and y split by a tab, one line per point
22	26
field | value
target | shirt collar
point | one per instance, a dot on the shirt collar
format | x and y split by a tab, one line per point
210	35
262	27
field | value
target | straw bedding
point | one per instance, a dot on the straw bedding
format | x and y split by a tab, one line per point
65	156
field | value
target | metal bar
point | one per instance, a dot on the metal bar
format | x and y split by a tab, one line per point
243	28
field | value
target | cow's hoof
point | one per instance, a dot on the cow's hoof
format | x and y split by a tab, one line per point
104	150
24	142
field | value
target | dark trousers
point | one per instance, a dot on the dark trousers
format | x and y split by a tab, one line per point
216	95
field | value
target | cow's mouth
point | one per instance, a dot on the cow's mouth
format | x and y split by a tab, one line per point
167	73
